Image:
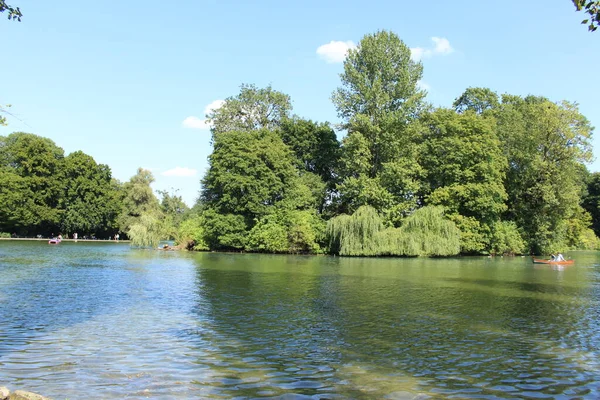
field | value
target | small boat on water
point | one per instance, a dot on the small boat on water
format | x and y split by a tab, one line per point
552	262
54	241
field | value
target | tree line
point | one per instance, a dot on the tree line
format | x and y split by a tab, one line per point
43	192
491	174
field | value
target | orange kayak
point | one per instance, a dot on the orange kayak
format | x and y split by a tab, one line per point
566	262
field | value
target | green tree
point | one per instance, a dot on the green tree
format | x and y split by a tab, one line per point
545	143
13	12
252	109
174	210
315	145
248	173
190	234
88	201
379	101
37	161
19	213
148	230
592	8
465	172
506	239
478	100
426	232
379	93
591	201
138	200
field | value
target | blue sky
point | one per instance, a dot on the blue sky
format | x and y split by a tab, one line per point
118	81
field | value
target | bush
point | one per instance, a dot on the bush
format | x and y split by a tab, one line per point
191	234
225	231
287	231
4	235
147	231
426	232
506	239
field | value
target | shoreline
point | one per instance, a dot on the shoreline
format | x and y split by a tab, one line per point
70	240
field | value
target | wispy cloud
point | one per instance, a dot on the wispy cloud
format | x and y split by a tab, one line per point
180	171
423	85
335	51
441	46
199	123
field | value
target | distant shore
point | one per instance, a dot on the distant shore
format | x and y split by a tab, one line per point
70	240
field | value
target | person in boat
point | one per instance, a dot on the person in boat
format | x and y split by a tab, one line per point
559	257
552	257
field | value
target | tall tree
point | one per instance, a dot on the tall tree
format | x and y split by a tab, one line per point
379	100
545	143
478	100
252	109
591	202
379	93
465	172
138	199
89	200
37	161
315	145
249	171
174	209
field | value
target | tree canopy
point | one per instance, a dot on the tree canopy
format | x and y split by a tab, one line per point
490	174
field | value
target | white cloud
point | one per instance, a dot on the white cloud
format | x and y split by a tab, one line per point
215	105
198	123
441	46
424	86
180	171
335	51
195	123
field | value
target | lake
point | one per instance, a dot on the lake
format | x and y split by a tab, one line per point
101	320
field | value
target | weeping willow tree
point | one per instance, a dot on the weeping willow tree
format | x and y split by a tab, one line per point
147	231
426	232
356	234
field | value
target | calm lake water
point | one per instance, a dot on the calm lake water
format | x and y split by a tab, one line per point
100	320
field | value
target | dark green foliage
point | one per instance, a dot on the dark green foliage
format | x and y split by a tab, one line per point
36	161
465	172
249	172
89	201
545	144
591	201
315	146
287	231
13	12
478	100
225	231
43	192
379	100
592	8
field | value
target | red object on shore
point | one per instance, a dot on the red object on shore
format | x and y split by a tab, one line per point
540	261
